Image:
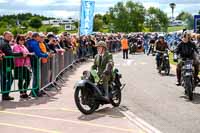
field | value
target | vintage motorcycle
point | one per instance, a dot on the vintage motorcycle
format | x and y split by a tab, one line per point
164	64
187	78
89	91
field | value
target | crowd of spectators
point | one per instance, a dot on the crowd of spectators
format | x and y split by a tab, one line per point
24	51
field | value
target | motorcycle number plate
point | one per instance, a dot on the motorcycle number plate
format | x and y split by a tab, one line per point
188	74
189	66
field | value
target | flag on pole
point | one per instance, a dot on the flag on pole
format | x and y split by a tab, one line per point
86	17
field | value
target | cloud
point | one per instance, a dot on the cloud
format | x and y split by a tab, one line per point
63	8
3	1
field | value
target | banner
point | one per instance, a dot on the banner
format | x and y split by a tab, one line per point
87	17
197	23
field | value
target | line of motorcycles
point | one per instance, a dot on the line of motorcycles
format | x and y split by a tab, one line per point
187	71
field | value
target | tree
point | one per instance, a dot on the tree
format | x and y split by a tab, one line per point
156	19
106	19
127	17
172	5
55	30
98	22
76	23
199	12
187	18
35	22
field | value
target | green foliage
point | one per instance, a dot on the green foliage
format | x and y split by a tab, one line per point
98	22
156	20
8	22
128	17
175	28
188	18
106	19
35	22
53	29
183	16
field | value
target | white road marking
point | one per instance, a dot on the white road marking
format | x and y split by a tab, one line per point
138	121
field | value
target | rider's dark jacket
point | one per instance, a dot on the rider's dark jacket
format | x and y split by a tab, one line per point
161	46
186	50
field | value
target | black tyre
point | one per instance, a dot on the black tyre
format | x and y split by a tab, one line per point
167	69
90	104
189	88
115	98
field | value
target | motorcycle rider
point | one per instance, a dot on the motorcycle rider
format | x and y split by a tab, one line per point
186	49
103	63
162	46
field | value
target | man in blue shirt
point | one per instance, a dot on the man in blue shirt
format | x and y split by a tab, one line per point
33	47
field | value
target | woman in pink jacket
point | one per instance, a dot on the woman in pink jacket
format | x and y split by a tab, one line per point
22	66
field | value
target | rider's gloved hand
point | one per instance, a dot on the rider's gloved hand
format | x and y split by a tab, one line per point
106	72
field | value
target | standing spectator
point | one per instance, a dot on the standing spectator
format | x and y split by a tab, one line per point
29	35
44	61
83	46
22	66
33	47
94	48
7	65
124	43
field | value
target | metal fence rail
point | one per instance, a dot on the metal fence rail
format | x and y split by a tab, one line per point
18	78
39	75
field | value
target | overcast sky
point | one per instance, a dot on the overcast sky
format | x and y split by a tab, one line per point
66	8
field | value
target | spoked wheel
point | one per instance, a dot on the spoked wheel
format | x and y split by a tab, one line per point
189	88
85	101
167	69
115	98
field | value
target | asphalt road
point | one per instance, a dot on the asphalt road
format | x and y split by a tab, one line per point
155	98
150	96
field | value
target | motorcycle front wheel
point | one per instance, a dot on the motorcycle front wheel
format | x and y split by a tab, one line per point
85	101
167	68
189	88
115	98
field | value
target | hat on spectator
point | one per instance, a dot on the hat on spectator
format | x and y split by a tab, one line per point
41	34
35	34
50	35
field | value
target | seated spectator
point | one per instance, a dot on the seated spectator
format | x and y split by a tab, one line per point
22	70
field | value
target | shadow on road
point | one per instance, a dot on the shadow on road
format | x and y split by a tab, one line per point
25	103
104	112
196	98
51	92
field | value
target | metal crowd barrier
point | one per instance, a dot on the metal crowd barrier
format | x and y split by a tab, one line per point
38	76
55	66
19	79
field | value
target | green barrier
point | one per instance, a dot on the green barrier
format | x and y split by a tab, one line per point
16	76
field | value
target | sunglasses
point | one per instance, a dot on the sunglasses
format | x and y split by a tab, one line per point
22	39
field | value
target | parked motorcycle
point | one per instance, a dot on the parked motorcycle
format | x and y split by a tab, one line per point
187	78
152	49
132	48
164	62
89	92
